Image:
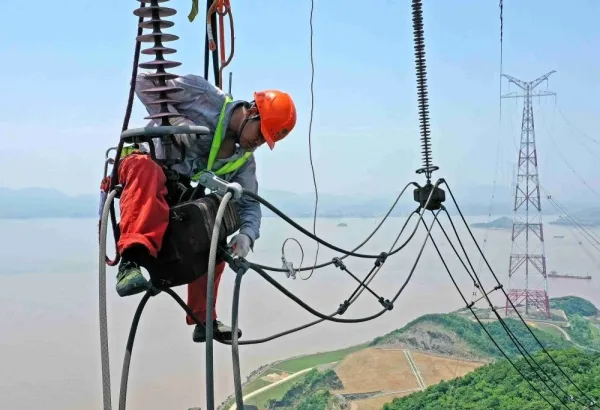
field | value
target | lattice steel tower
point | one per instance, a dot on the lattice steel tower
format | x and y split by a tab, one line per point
527	281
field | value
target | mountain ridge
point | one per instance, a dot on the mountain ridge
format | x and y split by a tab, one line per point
36	202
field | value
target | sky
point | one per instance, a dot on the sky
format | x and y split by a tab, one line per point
66	68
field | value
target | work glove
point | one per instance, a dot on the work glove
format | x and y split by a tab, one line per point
185	139
240	245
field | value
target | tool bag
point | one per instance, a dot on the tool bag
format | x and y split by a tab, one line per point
184	254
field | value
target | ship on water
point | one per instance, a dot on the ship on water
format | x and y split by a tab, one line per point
555	274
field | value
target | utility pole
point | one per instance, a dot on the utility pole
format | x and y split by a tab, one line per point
527	266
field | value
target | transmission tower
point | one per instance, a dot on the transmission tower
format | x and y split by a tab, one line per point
527	280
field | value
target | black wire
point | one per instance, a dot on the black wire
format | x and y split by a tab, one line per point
290	221
506	295
301	229
215	52
278	335
331	318
526	355
305	326
484	328
306	307
362	283
200	323
322	265
391	252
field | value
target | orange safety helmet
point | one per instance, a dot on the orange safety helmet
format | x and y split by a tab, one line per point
277	115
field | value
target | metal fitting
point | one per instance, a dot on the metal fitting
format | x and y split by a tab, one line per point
220	186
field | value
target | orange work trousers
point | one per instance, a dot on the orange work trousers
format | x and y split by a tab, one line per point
144	220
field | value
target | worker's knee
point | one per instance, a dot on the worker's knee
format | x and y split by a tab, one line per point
140	166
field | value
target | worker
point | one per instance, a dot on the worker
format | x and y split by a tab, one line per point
245	126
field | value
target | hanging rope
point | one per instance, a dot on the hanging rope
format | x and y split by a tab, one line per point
222	8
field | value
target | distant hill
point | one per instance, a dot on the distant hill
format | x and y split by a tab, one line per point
500	223
455	335
45	203
51	203
572	305
586	217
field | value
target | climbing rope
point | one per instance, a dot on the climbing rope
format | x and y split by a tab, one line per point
104	354
212	258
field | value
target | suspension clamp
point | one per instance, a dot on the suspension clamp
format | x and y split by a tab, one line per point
381	259
337	262
343	307
220	186
438	196
386	303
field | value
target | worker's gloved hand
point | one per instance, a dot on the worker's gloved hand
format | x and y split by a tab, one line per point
240	245
185	139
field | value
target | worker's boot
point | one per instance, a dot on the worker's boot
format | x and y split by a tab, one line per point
220	332
130	279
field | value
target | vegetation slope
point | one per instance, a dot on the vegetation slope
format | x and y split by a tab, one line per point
312	393
498	386
458	336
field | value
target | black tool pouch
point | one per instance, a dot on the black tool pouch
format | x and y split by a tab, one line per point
184	254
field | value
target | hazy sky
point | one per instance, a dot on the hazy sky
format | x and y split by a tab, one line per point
66	67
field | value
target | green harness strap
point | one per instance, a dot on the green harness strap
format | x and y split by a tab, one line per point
214	149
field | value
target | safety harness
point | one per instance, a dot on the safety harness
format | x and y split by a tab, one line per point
216	145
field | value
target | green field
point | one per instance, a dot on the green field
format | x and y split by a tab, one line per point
277	392
305	362
550	329
291	366
255	385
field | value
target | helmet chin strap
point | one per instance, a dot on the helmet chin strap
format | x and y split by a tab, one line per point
243	125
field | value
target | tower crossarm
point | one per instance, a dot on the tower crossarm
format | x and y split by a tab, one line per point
536	94
520	83
538	80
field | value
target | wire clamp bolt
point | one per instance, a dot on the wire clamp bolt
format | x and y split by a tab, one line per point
386	303
343	307
337	262
381	259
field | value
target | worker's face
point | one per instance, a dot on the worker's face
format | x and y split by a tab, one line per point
251	137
